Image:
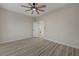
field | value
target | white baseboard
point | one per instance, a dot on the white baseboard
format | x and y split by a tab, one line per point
64	43
13	40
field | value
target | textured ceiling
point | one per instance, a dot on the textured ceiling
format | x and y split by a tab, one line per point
16	7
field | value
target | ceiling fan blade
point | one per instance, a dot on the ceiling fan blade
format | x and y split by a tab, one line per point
32	12
30	4
27	10
36	4
42	6
37	11
25	6
41	10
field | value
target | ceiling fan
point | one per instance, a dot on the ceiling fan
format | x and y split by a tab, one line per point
34	7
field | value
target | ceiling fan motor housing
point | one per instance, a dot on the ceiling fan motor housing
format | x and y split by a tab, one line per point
34	4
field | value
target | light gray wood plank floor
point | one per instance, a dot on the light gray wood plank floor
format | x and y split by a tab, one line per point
36	47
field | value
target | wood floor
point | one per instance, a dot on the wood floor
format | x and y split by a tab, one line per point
36	47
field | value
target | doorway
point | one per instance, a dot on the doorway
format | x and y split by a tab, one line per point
38	28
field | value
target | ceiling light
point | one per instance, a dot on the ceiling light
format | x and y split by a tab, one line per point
34	9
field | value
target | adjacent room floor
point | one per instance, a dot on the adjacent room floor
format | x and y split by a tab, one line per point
36	47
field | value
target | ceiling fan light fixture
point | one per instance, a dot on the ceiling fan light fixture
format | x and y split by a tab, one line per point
33	9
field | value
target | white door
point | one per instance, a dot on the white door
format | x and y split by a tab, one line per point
38	28
41	28
35	29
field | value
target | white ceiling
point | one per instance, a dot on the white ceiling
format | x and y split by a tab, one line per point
16	7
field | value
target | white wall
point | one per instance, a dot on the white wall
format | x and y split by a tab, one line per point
62	25
14	26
